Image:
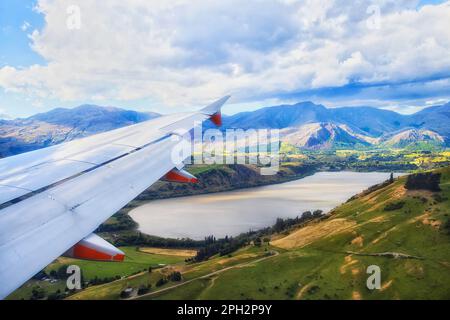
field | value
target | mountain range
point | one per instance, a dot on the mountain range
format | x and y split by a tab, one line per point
311	126
305	125
61	124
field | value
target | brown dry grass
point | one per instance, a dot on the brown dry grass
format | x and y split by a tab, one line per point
356	295
185	253
313	232
386	285
373	198
348	262
358	241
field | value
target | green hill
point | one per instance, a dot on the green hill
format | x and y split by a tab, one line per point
404	232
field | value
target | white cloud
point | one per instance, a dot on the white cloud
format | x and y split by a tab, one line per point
25	26
3	115
189	51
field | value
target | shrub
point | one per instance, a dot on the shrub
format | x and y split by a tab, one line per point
394	206
143	290
161	282
175	276
38	293
125	293
447	226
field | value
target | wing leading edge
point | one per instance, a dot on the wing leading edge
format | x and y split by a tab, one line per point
52	198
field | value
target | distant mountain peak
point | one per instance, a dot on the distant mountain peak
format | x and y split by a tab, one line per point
411	137
323	135
63	124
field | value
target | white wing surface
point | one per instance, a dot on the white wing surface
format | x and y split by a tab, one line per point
52	198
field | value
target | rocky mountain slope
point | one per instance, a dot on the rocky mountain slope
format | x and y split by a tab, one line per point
59	125
413	137
347	125
326	135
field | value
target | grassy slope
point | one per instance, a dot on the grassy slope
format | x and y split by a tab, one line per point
135	262
112	290
314	263
321	268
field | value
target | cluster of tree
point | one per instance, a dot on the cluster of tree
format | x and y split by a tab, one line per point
136	238
374	188
40	275
38	293
394	206
60	273
126	293
227	245
175	276
144	289
211	246
284	224
223	246
58	295
104	280
122	222
423	181
161	282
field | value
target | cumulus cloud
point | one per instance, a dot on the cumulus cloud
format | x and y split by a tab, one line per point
3	115
188	51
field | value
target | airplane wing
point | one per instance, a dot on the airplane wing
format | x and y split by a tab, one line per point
52	199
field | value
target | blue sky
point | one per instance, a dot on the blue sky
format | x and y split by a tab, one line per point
147	55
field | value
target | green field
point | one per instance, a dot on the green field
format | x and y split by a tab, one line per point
135	262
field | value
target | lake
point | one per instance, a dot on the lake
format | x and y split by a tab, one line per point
230	213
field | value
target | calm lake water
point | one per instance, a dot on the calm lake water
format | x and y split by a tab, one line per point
230	213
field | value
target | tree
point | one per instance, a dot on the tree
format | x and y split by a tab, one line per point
161	282
125	293
143	289
38	293
175	276
423	181
279	225
317	213
307	215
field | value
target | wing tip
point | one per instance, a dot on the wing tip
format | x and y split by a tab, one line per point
215	107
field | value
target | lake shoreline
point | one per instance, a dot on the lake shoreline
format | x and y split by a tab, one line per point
220	216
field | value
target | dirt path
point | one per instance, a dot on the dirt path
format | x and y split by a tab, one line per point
275	253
